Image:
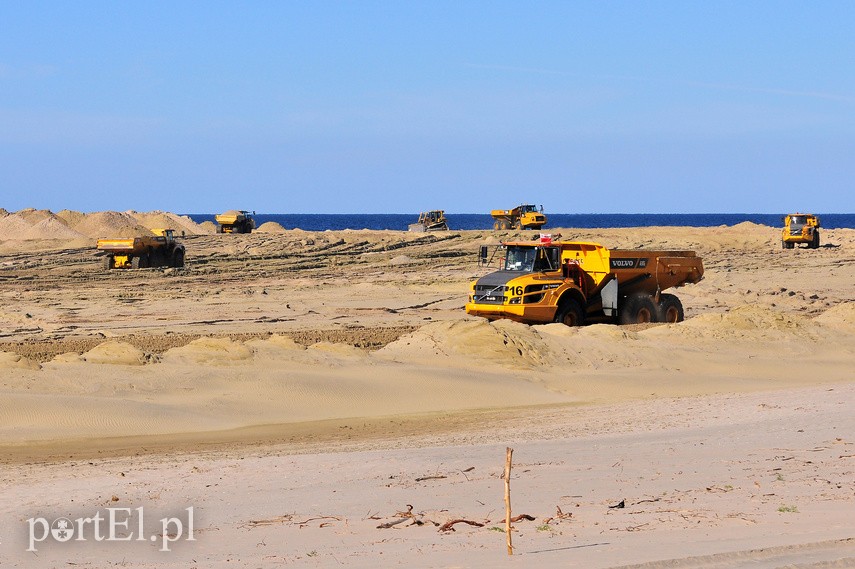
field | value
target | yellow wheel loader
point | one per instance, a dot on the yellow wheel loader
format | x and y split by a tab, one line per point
574	282
800	228
158	250
524	216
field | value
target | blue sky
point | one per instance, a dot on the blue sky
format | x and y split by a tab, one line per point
403	106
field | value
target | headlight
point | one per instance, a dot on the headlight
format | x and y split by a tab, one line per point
515	300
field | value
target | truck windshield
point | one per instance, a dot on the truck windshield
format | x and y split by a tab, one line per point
530	259
798	220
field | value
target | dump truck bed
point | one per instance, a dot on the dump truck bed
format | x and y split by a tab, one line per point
228	218
129	245
640	270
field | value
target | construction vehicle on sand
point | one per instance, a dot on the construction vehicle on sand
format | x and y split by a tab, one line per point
430	221
524	216
158	250
577	282
800	228
235	221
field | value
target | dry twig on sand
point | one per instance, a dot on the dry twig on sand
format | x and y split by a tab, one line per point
449	525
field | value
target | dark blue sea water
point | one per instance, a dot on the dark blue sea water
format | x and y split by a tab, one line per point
399	222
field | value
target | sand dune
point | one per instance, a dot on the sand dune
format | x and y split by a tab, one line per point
469	364
67	225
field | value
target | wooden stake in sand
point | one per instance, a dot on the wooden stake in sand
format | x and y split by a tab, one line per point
509	454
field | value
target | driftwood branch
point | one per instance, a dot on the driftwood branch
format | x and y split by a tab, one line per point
559	515
449	525
437	477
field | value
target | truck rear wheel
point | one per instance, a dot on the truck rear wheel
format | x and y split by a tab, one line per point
815	243
670	308
178	258
107	263
136	263
570	313
502	225
638	309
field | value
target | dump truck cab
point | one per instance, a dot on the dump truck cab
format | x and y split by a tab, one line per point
575	282
800	228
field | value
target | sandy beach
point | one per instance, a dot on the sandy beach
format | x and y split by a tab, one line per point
300	390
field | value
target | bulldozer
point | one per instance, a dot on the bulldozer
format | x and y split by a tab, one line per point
578	282
800	228
524	216
158	250
430	221
235	221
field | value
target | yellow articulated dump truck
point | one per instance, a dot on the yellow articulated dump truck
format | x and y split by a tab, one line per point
524	216
800	228
235	221
158	250
574	282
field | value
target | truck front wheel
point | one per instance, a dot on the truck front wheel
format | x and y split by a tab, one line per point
570	313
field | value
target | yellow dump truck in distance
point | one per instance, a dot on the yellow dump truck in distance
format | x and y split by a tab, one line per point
157	250
800	228
235	221
574	282
526	216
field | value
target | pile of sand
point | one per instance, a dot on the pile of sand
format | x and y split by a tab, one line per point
841	316
53	227
504	343
271	227
209	351
167	220
749	321
67	225
9	360
116	353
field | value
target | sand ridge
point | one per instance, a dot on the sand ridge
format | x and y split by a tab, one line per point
67	225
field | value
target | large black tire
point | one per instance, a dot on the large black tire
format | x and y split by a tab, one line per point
157	258
788	245
815	243
178	258
502	225
670	308
219	228
107	263
638	309
136	263
570	313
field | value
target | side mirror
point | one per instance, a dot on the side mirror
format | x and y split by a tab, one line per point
482	255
